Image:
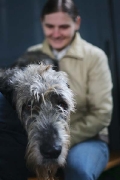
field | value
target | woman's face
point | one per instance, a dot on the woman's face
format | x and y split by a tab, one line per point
59	29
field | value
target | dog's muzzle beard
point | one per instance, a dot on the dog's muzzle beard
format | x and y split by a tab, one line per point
47	150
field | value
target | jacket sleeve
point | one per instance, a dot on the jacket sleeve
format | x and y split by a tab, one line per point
99	101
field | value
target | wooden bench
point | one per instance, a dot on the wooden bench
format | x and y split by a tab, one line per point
114	161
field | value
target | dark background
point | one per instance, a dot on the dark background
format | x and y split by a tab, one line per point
20	28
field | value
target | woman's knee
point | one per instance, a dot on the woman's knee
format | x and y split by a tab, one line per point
82	161
78	173
76	169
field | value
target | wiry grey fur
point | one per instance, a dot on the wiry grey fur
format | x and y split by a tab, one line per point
43	102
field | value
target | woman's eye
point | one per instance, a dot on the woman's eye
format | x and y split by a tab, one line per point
49	26
64	26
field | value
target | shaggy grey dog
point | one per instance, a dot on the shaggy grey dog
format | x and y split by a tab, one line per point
43	102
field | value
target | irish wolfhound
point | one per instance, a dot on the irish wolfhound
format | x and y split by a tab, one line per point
43	102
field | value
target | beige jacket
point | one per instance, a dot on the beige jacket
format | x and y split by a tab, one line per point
90	79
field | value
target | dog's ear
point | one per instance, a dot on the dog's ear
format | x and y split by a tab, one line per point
2	72
5	86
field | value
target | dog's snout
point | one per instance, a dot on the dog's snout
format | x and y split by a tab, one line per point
51	152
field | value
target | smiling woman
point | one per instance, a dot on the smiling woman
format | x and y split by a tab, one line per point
90	80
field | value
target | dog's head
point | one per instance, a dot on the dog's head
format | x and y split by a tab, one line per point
43	102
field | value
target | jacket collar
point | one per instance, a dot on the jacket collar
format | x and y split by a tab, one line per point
75	50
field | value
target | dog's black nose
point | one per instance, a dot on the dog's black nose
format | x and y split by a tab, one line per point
50	152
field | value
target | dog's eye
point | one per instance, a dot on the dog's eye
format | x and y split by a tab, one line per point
29	103
27	106
62	104
58	100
